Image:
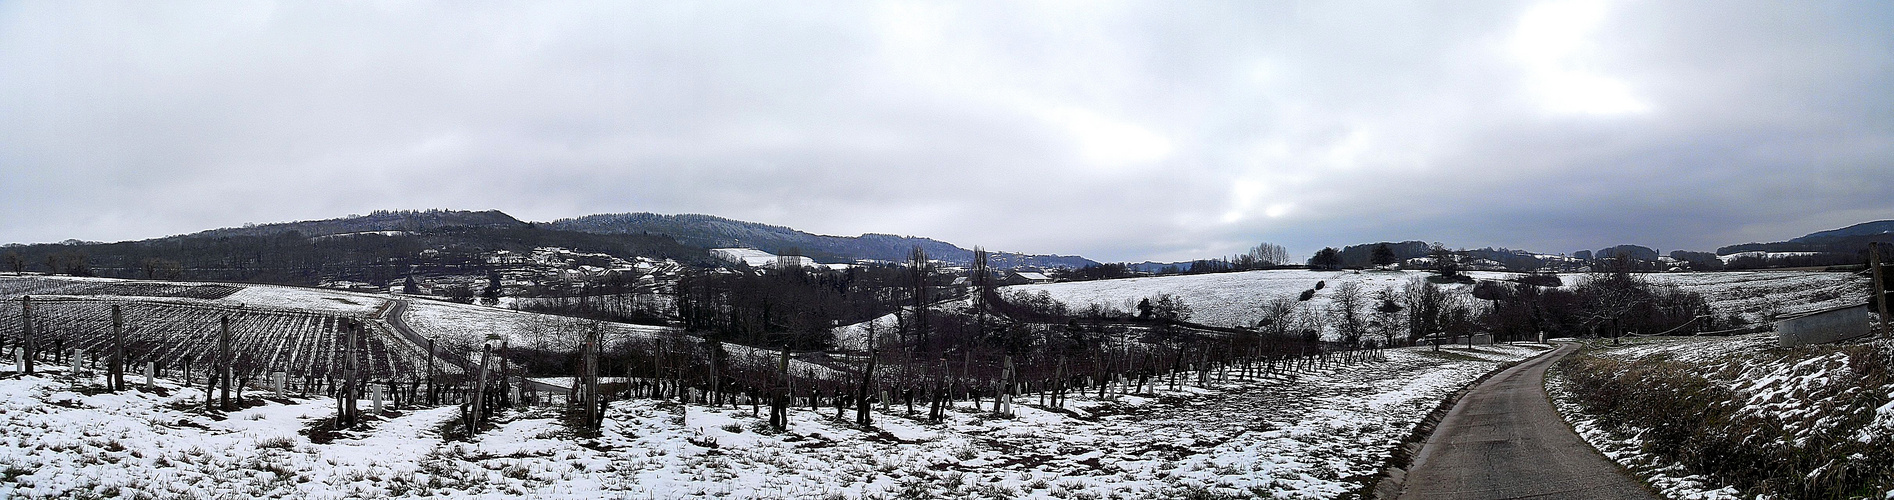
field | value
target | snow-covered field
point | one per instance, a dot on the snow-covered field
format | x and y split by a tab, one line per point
1223	299
1757	295
316	300
468	324
1312	434
1236	299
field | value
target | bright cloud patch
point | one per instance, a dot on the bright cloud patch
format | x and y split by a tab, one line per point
1555	42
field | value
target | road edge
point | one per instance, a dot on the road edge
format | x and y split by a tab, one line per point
1622	469
1393	475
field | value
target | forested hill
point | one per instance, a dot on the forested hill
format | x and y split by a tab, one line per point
387	245
379	220
709	231
1851	239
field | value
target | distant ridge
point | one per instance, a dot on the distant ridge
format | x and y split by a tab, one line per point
379	220
709	231
1851	239
1863	229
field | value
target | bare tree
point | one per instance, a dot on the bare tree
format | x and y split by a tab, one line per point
1388	321
980	276
1276	316
1446	262
1344	308
1271	253
1424	303
1610	296
15	262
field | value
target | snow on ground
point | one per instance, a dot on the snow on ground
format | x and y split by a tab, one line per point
309	299
1227	299
1308	434
58	440
1764	255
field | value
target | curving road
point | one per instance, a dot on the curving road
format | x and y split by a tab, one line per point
395	317
1504	440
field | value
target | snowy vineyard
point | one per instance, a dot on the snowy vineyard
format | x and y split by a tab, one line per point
181	337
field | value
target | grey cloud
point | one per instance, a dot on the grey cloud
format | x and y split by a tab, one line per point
1121	131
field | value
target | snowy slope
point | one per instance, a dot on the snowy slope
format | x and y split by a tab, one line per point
1822	403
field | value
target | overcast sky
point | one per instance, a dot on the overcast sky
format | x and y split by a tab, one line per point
1119	131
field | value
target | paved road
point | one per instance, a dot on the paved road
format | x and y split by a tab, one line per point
1504	440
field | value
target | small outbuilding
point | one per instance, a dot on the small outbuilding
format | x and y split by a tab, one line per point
1028	277
1827	325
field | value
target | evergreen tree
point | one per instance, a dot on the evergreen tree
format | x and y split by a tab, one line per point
1383	256
1326	259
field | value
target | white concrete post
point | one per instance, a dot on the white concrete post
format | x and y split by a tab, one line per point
151	374
78	358
280	380
375	393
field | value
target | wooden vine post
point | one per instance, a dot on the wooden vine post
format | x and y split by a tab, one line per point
220	369
28	345
1880	283
865	391
433	397
592	411
115	374
779	397
501	391
346	395
476	409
